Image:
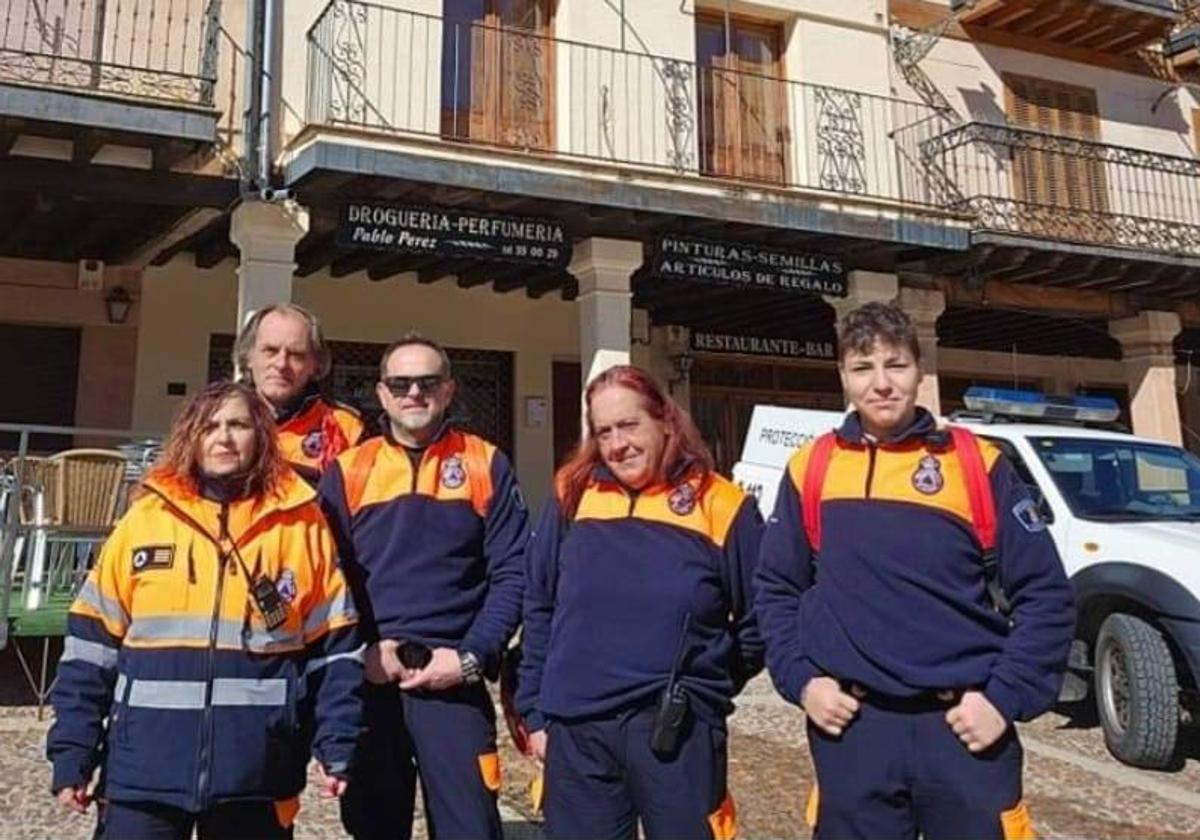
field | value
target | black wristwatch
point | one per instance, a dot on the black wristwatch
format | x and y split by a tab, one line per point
472	671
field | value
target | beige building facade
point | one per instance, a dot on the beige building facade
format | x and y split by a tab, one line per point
554	187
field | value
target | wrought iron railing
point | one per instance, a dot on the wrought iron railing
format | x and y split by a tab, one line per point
145	49
1029	183
402	72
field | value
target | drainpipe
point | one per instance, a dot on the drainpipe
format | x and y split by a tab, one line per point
264	98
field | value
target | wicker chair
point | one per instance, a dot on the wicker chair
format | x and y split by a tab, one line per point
89	485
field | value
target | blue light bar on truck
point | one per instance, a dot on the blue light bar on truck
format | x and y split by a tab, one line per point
1031	404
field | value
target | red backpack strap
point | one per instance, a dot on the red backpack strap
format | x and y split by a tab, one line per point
979	486
814	484
983	511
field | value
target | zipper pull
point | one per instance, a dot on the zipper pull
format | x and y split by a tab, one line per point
191	564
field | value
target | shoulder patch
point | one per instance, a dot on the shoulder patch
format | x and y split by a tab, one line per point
153	557
1027	513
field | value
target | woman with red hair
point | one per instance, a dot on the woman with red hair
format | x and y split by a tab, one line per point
638	628
213	644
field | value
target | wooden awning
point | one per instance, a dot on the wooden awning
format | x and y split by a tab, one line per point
1108	26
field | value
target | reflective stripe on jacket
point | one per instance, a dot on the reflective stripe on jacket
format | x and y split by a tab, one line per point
170	676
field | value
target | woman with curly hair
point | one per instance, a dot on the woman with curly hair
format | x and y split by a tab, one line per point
213	644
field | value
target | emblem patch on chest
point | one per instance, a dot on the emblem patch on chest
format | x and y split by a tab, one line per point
286	586
454	474
153	557
313	443
928	477
682	500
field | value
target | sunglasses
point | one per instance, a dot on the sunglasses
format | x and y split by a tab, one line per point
399	386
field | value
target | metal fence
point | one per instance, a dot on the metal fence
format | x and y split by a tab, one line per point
147	49
403	72
1044	185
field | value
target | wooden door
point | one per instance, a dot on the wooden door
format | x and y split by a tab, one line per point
743	99
497	77
1046	180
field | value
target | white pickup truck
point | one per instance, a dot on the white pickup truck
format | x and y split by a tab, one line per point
1125	514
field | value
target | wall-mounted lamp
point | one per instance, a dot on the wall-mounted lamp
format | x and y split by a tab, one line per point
682	362
117	303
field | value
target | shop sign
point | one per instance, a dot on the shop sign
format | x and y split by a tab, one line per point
749	266
441	232
749	345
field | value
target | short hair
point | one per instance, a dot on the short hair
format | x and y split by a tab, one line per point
316	338
410	339
873	322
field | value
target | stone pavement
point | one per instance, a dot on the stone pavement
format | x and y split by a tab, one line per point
1075	789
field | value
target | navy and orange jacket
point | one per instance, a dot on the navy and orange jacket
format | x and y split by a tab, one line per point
203	703
897	600
433	554
315	431
609	595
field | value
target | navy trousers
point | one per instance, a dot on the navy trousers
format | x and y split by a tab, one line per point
447	740
899	771
151	821
601	778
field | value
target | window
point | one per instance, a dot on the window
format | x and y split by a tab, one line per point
1120	481
1065	179
743	99
497	65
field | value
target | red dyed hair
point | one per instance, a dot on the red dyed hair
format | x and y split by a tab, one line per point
180	459
685	454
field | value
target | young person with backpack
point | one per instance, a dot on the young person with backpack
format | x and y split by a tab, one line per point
913	604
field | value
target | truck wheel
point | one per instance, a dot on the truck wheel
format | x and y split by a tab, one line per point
1137	695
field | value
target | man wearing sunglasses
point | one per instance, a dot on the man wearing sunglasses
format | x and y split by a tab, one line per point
431	531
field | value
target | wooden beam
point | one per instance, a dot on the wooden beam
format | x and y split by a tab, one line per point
187	226
442	270
312	256
922	14
1048	299
350	263
85	145
116	184
214	251
399	264
168	155
544	285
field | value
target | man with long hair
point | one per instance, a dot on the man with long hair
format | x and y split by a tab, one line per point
914	606
642	565
282	352
431	527
213	644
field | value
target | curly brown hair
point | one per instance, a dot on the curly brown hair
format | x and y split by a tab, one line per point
180	459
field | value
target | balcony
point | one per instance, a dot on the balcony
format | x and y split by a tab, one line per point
464	85
1107	26
1028	184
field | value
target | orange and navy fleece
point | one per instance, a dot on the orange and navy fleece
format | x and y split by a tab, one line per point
314	432
433	550
897	600
609	595
171	677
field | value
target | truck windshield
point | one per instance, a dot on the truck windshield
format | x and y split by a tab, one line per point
1115	480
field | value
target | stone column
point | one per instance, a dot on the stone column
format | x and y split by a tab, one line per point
924	307
266	234
604	268
1147	341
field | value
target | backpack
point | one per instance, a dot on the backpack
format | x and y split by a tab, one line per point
979	494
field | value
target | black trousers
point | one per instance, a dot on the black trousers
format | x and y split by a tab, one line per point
152	821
